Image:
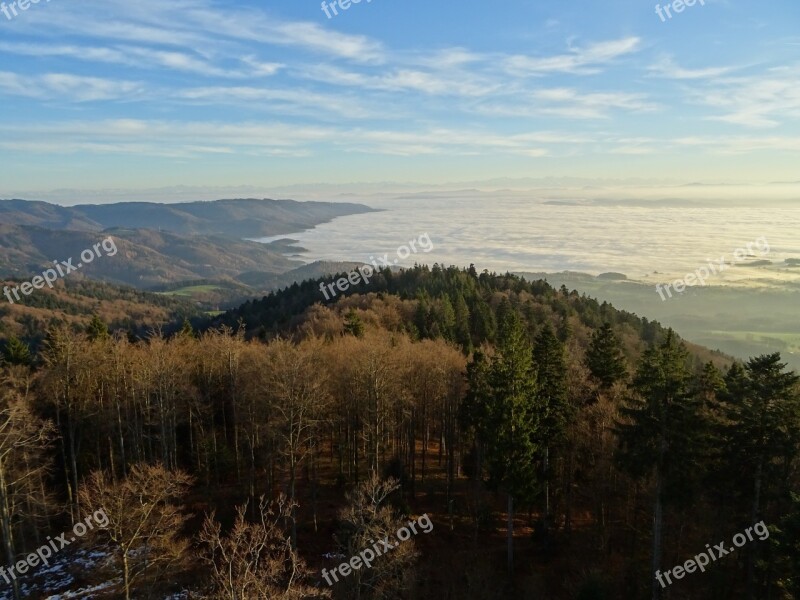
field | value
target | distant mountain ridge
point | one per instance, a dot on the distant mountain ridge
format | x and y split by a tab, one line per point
169	246
239	218
162	261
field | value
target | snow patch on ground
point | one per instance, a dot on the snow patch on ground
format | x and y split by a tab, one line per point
64	579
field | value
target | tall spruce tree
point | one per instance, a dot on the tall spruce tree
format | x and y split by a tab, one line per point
484	323
764	436
474	420
462	331
604	358
502	403
515	424
661	435
552	406
447	318
422	316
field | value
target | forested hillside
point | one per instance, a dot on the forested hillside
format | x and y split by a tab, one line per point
76	301
560	448
146	258
234	219
458	305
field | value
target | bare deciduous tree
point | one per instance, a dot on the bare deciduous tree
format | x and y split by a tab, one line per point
298	395
23	441
368	518
256	559
145	521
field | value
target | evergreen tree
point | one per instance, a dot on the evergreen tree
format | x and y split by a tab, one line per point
16	352
485	324
552	406
764	435
474	421
712	391
96	329
711	384
512	426
564	328
421	317
462	332
475	408
550	363
447	319
186	328
353	324
661	434
605	358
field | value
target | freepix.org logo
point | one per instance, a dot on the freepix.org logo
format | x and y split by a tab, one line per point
10	9
344	5
50	276
43	554
678	6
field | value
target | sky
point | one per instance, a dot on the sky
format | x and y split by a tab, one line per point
215	95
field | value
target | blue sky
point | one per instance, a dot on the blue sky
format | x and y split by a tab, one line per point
108	94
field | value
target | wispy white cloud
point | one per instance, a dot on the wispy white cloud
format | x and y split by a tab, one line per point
279	100
148	58
203	78
665	67
567	103
586	60
184	138
65	86
764	100
405	79
199	24
181	61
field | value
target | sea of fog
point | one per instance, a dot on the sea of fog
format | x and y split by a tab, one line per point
651	243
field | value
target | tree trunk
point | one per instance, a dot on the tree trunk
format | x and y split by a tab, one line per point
568	495
425	434
751	554
657	532
73	461
8	533
546	526
314	484
126	575
510	536
292	478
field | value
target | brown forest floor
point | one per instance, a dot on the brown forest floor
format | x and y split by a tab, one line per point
448	554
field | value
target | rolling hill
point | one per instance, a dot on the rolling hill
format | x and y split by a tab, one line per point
246	218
